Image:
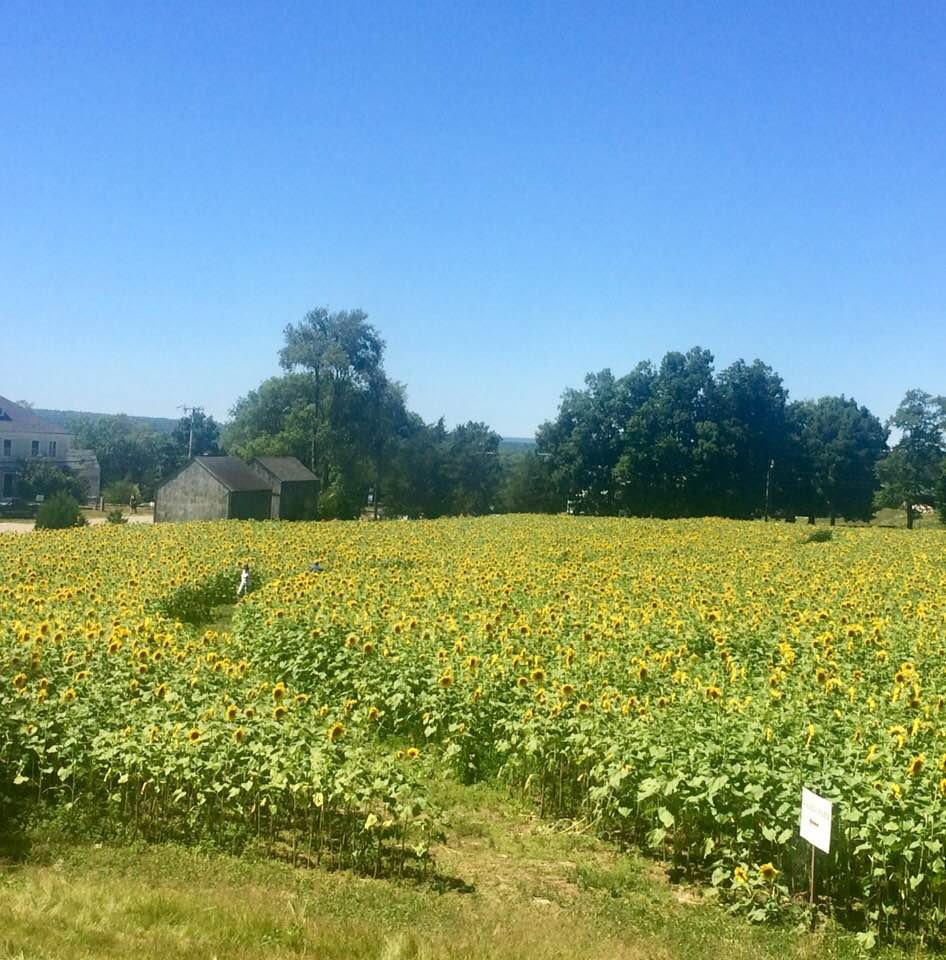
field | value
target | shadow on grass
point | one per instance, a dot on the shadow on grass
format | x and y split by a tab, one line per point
15	845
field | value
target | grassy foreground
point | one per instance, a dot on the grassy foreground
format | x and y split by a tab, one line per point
507	885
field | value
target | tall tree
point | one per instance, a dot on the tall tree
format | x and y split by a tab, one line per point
275	419
843	443
754	427
342	353
527	485
128	452
669	444
909	474
196	435
472	466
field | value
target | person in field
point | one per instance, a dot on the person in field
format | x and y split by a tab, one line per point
244	586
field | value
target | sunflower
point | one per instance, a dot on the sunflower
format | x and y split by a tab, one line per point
373	713
740	875
446	680
916	764
232	712
582	706
767	872
522	681
19	681
239	735
193	735
335	732
279	712
412	753
279	691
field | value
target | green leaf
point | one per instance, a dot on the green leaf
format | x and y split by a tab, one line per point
666	817
866	940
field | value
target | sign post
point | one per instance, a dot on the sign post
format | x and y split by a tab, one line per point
815	827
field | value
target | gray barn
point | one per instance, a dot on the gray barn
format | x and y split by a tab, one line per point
214	488
295	488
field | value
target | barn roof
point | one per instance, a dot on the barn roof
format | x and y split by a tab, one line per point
233	473
17	419
286	469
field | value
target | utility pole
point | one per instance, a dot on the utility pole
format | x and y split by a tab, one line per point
768	487
190	437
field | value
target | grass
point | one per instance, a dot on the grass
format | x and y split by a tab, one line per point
507	887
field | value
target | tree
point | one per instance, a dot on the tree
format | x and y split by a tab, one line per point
197	435
472	467
273	420
909	474
37	477
754	435
584	444
126	451
527	485
342	353
941	493
667	464
843	443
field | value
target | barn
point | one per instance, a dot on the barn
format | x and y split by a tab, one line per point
213	488
295	488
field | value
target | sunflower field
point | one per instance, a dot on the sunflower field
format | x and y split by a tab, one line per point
673	683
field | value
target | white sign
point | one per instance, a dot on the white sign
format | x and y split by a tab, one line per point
815	826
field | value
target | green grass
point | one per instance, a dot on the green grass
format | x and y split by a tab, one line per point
507	886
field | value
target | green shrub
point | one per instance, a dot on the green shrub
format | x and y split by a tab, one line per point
59	512
120	491
41	478
821	535
115	516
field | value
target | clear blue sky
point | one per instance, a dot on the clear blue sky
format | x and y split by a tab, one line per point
516	193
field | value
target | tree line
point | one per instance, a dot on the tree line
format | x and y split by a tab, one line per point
679	439
673	439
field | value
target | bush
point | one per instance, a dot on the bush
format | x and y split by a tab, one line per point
40	478
59	512
822	535
120	491
115	516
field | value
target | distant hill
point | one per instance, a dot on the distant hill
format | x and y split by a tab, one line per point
67	419
516	445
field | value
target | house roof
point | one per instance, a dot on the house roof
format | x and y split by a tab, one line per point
286	469
232	473
17	419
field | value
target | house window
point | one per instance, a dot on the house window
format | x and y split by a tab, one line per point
8	448
52	448
34	448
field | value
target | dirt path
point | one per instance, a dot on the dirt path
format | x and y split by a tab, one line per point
26	526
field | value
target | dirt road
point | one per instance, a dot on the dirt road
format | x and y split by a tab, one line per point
26	526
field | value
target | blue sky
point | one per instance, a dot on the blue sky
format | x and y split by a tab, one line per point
517	194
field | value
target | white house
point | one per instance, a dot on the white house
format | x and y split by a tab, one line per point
24	436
